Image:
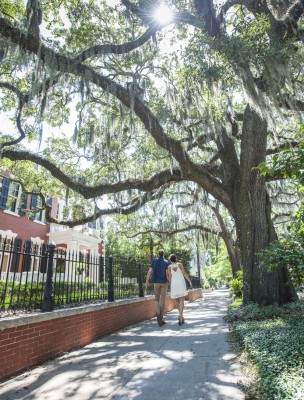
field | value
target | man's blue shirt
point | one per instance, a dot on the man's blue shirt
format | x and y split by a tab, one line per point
159	266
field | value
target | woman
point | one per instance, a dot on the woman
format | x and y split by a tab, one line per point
176	275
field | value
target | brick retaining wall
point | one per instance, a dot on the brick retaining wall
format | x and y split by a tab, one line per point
29	340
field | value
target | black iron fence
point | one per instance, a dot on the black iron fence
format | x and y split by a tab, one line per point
39	277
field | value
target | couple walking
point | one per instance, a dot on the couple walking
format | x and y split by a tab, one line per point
174	273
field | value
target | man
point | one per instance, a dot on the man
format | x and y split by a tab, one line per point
159	268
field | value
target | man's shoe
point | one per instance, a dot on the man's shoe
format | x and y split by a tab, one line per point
164	322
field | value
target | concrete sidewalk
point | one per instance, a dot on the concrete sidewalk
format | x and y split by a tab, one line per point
144	362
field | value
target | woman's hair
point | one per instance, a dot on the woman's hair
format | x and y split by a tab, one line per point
172	258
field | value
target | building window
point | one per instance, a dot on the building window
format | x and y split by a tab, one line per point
36	204
92	224
14	194
11	196
97	224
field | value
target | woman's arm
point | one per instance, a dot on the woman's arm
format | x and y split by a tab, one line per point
185	274
148	277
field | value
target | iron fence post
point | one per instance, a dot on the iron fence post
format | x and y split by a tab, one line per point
111	281
101	275
140	282
48	298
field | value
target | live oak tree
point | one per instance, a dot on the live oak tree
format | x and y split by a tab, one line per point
192	216
204	99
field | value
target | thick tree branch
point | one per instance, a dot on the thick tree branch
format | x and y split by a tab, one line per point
39	90
22	100
100	49
180	230
294	12
22	97
233	120
291	104
134	205
199	141
88	191
20	129
283	28
226	7
280	147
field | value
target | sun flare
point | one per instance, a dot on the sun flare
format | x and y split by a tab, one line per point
163	15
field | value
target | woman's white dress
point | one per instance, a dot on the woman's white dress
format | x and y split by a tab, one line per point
178	283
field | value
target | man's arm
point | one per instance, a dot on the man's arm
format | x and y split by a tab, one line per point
168	274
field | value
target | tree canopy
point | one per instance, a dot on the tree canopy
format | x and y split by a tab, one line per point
124	107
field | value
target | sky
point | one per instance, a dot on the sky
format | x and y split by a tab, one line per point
113	3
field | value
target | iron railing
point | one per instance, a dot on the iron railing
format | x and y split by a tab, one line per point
39	277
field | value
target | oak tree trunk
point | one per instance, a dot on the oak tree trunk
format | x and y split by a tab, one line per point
255	229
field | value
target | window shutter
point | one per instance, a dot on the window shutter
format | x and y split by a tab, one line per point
101	276
49	202
34	201
43	259
4	192
22	204
16	255
27	256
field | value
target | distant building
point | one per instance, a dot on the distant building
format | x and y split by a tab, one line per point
22	228
84	238
198	263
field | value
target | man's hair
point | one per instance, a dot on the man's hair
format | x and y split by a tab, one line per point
161	253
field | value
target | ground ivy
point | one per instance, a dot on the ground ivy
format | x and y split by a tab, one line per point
273	339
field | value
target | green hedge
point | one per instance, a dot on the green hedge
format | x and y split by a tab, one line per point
18	295
30	296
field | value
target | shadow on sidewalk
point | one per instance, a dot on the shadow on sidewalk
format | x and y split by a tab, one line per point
144	361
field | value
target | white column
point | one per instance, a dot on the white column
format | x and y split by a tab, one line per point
72	257
73	246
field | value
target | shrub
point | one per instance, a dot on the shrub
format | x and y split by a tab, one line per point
236	285
289	253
